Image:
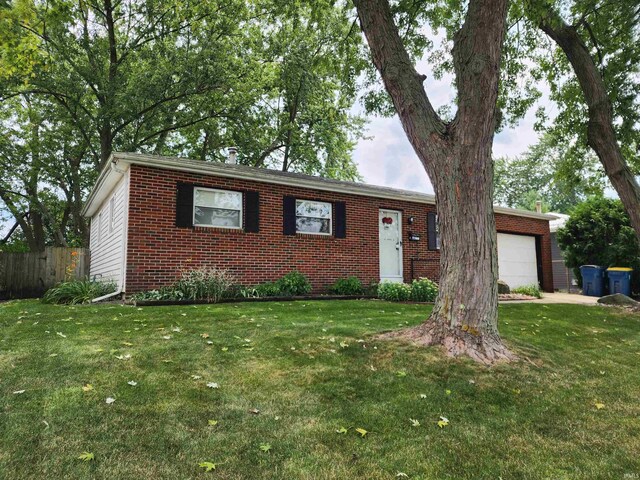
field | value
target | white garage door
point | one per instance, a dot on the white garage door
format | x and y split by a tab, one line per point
517	260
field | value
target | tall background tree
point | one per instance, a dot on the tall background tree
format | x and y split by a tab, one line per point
80	80
546	173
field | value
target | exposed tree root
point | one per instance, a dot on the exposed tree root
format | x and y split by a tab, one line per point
486	349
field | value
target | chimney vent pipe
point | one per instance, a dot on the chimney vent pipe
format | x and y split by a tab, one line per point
539	206
233	156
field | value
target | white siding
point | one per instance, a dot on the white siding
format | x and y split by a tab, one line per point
108	239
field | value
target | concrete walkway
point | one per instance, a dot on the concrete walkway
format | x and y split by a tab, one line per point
557	297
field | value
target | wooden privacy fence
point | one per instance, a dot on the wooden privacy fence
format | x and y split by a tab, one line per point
30	274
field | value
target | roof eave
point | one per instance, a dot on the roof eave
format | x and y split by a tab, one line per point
266	176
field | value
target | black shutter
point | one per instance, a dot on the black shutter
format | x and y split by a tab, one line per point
251	212
289	215
340	220
432	231
184	205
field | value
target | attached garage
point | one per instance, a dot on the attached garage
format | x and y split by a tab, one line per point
517	259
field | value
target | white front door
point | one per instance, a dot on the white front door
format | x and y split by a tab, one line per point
390	225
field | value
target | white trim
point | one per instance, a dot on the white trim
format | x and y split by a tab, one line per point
124	160
125	233
311	216
217	190
112	202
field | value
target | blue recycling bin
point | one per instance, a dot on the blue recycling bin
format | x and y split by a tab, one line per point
592	280
620	280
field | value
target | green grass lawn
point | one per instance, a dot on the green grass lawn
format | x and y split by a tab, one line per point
312	369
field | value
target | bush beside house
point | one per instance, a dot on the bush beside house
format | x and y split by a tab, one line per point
599	233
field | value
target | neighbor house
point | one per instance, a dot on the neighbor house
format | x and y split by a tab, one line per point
563	278
153	216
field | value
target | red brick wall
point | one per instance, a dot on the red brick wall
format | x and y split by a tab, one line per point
157	250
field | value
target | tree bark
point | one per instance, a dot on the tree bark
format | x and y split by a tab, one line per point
601	135
457	158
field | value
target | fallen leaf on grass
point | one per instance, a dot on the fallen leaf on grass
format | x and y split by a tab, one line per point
401	373
204	335
87	387
362	432
213	385
255	411
443	422
423	395
414	422
86	456
341	430
196	377
60	334
448	392
18	392
265	447
401	475
208	466
213	423
167	337
110	400
127	344
599	405
132	383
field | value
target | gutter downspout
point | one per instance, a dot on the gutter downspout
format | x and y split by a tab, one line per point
108	295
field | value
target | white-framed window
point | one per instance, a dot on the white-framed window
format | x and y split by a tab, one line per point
217	208
112	213
314	217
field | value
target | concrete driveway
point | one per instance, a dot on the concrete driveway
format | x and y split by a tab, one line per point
557	297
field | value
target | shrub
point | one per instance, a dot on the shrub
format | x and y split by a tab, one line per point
394	292
267	289
347	286
164	293
531	290
77	291
293	284
209	284
371	290
424	290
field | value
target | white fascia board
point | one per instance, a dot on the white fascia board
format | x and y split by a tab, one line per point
120	162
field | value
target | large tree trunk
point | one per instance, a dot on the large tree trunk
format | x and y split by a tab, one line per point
457	157
601	135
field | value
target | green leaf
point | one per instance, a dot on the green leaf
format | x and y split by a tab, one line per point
86	456
265	447
208	466
213	423
341	430
362	432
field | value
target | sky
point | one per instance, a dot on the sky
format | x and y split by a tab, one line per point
385	157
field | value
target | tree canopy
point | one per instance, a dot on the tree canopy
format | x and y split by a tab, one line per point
79	80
